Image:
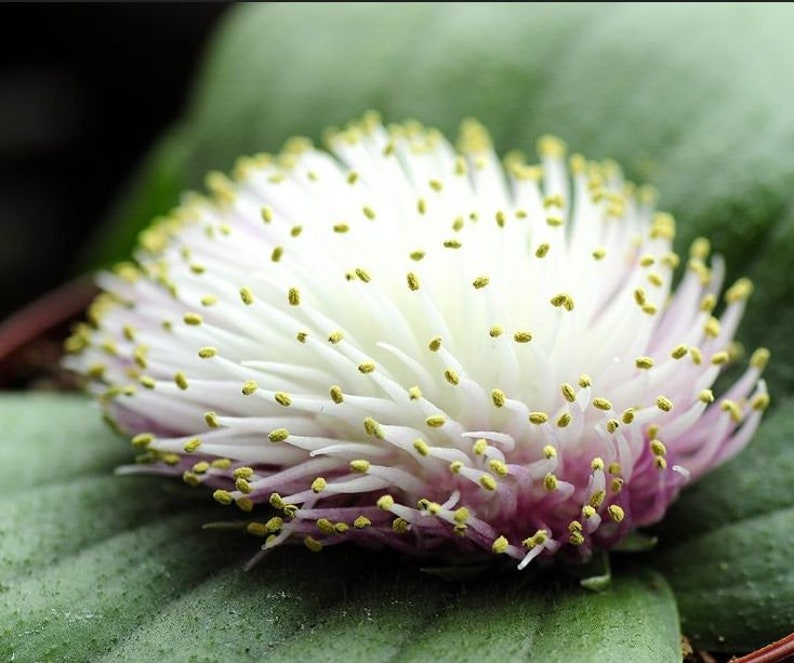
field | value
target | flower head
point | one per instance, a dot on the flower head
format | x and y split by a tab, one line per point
398	343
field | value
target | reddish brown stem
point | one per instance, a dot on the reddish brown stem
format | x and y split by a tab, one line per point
781	650
53	309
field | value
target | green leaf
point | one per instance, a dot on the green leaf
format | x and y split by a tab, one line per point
98	567
729	542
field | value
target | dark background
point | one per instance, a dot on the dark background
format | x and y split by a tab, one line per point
84	91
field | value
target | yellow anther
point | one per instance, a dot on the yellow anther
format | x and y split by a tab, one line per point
319	484
417	255
244	504
550	482
456	466
655	279
336	336
700	248
481	282
640	297
451	376
385	502
301	336
361	522
413	281
341	228
278	435
588	511
759	359
436	421
267	214
243	486
616	513
373	428
712	327
739	291
628	415
249	387
277	253
522	337
585	381
400	525
760	401
643	362
498	397
368	212
223	497
597	464
720	358
554	220
246	296
500	545
616	485
551	146
612	425
325	526
201	467
542	250
191	446
142	440
657	448
147	382
706	396
313	544
568	392
664	404
708	303
414	393
538	418
597	498
461	515
294	297
697	355
421	447
662	226
276	501
660	462
207	352
222	463
257	529
336	394
452	244
498	467
434	344
599	253
500	219
679	351
209	300
563	300
366	367
602	404
563	420
495	331
647	260
361	466
212	419
192	319
733	408
363	275
488	482
480	446
282	398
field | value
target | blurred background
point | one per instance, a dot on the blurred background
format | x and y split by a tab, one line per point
85	90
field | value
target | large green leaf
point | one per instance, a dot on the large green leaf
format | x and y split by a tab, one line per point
96	567
728	545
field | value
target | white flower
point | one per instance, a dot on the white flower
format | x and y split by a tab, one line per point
397	343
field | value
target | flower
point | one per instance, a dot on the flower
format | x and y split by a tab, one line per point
394	343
